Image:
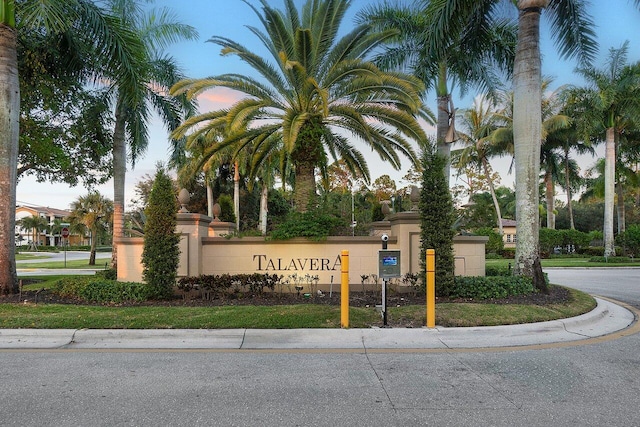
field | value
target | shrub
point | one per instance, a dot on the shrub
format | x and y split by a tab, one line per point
576	238
314	225
611	259
226	208
160	253
549	239
492	256
110	291
508	253
436	219
495	243
100	290
224	285
492	271
630	239
109	274
70	287
491	287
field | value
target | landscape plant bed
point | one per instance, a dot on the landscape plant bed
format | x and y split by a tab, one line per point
556	295
284	311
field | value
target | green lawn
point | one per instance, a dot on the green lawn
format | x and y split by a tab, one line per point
563	262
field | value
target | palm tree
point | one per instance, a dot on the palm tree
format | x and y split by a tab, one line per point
568	141
574	33
156	74
35	224
474	57
318	84
112	45
553	124
609	104
480	122
95	212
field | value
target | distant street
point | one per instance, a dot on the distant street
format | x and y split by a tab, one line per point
101	259
570	385
622	284
60	256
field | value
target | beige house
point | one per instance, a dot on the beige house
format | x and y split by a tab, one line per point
23	237
509	233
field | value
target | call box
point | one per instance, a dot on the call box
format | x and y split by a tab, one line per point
388	264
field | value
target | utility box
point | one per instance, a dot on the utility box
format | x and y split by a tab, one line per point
388	264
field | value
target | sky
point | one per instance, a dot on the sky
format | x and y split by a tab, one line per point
616	21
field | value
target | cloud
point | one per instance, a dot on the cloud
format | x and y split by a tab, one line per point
218	98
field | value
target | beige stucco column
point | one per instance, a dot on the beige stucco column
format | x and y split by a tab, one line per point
192	228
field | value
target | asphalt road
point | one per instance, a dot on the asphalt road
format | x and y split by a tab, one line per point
575	385
622	284
60	256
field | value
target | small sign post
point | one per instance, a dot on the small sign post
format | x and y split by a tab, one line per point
65	236
388	268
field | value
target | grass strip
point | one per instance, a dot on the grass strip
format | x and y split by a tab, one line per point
563	262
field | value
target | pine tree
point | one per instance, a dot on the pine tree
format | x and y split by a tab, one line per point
436	220
161	252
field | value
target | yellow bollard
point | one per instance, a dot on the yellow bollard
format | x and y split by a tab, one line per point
431	288
344	289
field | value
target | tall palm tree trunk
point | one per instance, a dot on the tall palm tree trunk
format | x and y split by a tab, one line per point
567	185
119	172
549	195
264	197
622	226
609	190
209	198
492	190
9	119
527	120
621	211
442	124
305	186
236	194
92	252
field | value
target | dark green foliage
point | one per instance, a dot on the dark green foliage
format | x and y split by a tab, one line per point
630	240
111	291
611	259
109	274
70	287
436	220
490	287
315	225
509	253
100	290
227	285
64	125
495	245
594	251
491	271
226	208
160	253
376	212
550	239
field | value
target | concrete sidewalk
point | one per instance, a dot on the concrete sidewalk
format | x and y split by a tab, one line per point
607	318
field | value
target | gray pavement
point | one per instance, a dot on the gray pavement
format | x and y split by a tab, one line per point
101	258
608	319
